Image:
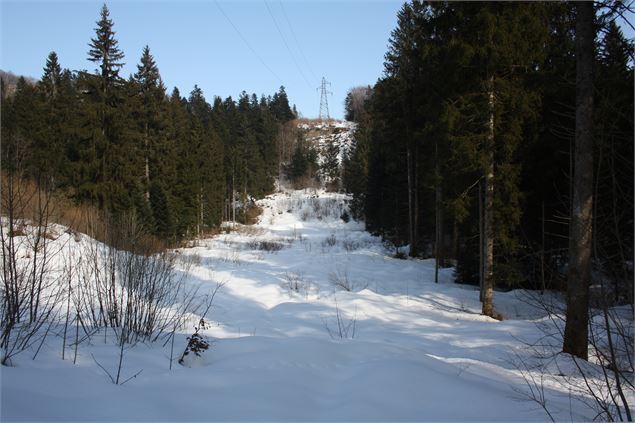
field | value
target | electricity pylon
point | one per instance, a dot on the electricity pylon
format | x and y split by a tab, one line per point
324	102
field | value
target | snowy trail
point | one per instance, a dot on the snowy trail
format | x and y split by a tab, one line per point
421	351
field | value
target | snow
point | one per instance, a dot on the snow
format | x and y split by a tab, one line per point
419	351
321	134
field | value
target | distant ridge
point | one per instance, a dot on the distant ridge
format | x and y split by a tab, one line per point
10	81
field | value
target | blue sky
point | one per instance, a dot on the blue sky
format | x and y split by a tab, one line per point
193	42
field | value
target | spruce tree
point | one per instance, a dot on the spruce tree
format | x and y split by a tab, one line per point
51	79
503	43
59	118
613	150
104	50
104	92
152	95
280	106
575	340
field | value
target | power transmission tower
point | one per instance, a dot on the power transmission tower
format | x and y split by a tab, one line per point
324	102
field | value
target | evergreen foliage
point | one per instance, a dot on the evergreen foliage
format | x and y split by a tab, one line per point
126	146
304	165
477	95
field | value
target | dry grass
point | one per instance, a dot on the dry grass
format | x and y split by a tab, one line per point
32	204
210	232
315	121
41	207
269	246
251	215
249	230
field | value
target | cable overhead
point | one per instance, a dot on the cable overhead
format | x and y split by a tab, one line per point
308	84
247	43
308	65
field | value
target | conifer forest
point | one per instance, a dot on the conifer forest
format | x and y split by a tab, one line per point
458	247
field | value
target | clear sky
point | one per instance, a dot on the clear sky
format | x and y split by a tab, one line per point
225	47
274	43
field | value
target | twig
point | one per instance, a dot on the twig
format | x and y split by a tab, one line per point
103	368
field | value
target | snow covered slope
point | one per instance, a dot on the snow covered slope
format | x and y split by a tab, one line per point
322	134
315	321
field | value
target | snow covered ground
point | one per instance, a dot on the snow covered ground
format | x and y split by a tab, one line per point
315	321
321	134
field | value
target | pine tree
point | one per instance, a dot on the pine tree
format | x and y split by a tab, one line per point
355	167
51	80
104	50
452	109
152	95
183	188
59	120
208	162
122	145
161	212
386	197
575	340
546	153
503	40
613	150
330	167
104	92
280	106
17	124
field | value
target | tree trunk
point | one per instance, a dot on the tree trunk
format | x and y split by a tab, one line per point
415	200
542	252
581	229
233	201
199	215
488	211
411	205
147	163
438	241
455	239
481	238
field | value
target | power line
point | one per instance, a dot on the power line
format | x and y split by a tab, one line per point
247	43
297	42
287	45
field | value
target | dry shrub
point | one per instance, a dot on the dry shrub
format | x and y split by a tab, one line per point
329	241
270	246
29	200
82	218
251	215
312	122
333	186
17	232
307	182
350	245
248	230
44	207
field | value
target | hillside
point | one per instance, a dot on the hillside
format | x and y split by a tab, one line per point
10	81
315	320
315	157
322	134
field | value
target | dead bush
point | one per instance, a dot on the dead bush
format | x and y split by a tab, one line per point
340	279
329	241
250	215
269	246
350	245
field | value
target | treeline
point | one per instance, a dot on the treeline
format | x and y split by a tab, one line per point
180	165
465	147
